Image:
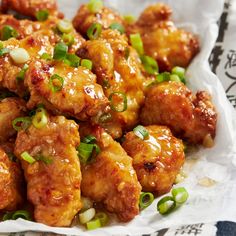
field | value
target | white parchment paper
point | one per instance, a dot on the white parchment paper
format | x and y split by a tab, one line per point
206	204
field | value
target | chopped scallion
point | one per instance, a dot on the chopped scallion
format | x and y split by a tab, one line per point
87	215
56	83
42	15
137	43
4	51
117	26
21	75
95	6
68	39
94	31
27	157
118	101
141	132
46	56
129	19
145	200
166	205
103	217
8	32
64	26
93	224
150	65
89	139
21	214
40	119
73	60
87	64
180	195
60	51
21	123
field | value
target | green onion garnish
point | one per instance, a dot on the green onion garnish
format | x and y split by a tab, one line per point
4	51
166	205
145	200
68	39
64	26
141	132
95	6
106	117
46	56
56	83
21	214
93	224
129	19
21	123
40	119
180	71
103	217
87	64
21	75
175	78
118	101
94	31
87	151
42	15
7	216
27	157
137	43
44	159
117	26
60	51
165	76
150	65
89	139
180	195
73	60
8	32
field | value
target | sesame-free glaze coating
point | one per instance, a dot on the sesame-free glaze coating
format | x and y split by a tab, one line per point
157	159
54	187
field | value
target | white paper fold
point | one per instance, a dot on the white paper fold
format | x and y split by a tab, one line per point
206	204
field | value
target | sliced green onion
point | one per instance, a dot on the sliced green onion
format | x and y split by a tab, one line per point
1	45
21	75
56	83
87	215
180	71
86	203
27	157
129	19
175	78
4	51
180	195
21	123
60	51
165	76
21	214
68	39
42	15
103	217
106	117
8	32
85	151
46	56
118	101
150	65
65	26
137	43
19	55
94	31
145	200
89	139
141	132
166	205
44	159
95	6
73	60
97	149
40	119
93	224
7	216
117	26
87	64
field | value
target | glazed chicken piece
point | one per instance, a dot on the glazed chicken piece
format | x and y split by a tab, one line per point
191	117
11	180
29	7
10	109
85	18
53	180
162	40
117	66
157	159
110	177
64	89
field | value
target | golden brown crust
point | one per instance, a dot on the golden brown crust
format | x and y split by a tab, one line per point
157	159
53	188
188	116
110	178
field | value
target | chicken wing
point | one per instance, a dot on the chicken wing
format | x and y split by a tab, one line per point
162	40
117	66
157	160
191	117
53	180
85	18
10	109
29	7
11	180
110	177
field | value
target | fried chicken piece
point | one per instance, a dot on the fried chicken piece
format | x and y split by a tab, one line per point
110	177
191	117
157	160
53	181
162	40
11	180
85	18
29	7
79	95
10	109
117	67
